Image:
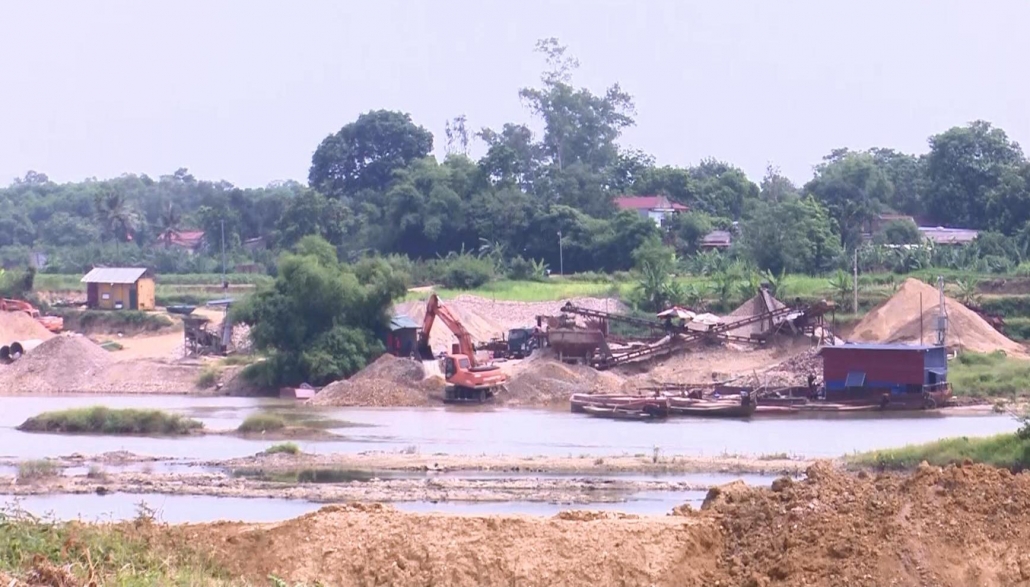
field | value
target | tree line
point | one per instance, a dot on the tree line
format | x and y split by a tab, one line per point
374	188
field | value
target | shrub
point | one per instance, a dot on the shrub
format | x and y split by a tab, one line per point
37	470
288	448
102	420
208	376
466	272
258	423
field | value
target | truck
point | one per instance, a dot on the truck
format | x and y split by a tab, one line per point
468	380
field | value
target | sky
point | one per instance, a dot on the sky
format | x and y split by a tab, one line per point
245	90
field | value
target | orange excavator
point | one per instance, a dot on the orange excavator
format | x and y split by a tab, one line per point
52	323
468	381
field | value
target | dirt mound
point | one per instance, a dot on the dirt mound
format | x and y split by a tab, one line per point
543	381
957	526
19	326
387	381
61	364
794	370
759	304
898	320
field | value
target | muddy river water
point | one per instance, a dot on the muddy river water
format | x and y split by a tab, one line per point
459	431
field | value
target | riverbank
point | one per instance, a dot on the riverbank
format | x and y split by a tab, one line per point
948	527
1007	451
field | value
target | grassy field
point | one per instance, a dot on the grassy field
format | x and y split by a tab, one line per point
993	375
1008	451
101	420
130	554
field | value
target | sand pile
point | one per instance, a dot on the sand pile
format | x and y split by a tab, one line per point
759	304
61	364
898	320
542	380
953	527
19	326
387	381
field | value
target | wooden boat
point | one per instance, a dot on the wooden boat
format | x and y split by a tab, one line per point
580	401
618	413
712	408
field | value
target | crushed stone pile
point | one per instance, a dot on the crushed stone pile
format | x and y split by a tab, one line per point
951	527
794	370
755	306
541	380
61	364
898	320
387	381
19	326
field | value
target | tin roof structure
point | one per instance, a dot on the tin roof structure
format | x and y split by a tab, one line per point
114	275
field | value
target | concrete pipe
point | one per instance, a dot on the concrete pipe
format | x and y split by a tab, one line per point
5	354
21	347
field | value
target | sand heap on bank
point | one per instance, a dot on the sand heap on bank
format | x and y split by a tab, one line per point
19	326
387	381
898	320
542	380
965	525
61	364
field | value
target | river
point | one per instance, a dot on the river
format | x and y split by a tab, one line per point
519	432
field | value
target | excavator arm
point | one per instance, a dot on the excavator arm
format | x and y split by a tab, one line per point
434	310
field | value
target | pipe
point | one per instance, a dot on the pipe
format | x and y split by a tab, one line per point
5	354
19	348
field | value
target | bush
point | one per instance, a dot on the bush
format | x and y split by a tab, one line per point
287	448
521	269
258	423
102	420
37	470
466	272
208	376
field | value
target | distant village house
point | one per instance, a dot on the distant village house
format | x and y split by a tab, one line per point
937	235
119	288
187	240
657	208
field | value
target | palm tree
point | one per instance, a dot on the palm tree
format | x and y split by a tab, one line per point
170	221
115	215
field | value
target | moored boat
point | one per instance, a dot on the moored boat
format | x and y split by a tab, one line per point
619	413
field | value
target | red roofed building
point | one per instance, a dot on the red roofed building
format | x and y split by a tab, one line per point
190	240
657	208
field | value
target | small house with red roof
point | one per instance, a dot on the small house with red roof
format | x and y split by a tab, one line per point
188	240
657	208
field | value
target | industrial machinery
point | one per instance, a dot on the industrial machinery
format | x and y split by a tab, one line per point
519	344
54	324
468	381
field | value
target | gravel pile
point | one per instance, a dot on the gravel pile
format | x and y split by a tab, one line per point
387	381
543	381
61	364
19	326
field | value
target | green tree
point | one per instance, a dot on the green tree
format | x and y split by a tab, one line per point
970	172
116	216
364	154
899	232
319	321
793	236
852	188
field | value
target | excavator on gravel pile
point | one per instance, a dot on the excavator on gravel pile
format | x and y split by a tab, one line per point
54	324
468	381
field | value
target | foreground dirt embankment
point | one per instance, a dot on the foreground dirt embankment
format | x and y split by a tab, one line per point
958	526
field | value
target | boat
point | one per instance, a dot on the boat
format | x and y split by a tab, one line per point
712	408
619	413
658	405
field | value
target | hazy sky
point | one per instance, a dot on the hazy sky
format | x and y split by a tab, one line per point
245	90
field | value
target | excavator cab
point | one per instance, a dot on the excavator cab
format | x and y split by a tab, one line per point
470	384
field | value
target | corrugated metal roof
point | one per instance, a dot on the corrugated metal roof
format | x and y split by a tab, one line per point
114	275
864	346
401	321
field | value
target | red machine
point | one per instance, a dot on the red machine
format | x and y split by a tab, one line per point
467	380
52	323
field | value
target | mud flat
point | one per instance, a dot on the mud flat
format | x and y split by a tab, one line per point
586	464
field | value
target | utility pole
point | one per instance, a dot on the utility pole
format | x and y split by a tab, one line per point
854	284
225	284
561	256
